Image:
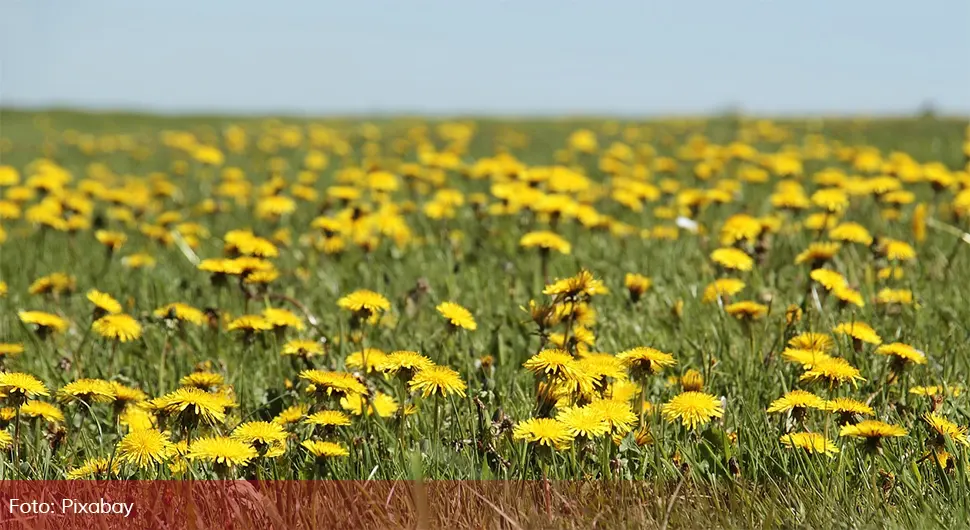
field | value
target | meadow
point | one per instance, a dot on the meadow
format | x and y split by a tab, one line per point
749	322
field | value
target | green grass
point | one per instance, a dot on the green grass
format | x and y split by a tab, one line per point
751	482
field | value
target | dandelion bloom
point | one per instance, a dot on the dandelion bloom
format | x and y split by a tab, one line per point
56	283
45	322
848	406
457	316
88	391
327	418
806	358
202	380
145	448
797	399
42	409
250	324
851	233
104	301
834	370
20	386
636	285
221	450
282	318
848	295
646	360
364	303
693	409
405	361
551	363
302	348
944	428
873	430
192	404
818	253
829	279
545	240
740	227
372	357
97	468
112	240
439	380
895	250
834	200
859	331
722	288
122	328
291	415
810	442
732	258
747	310
334	382
5	440
262	435
582	285
902	353
543	432
887	296
321	449
583	422
691	381
10	349
382	404
812	341
182	312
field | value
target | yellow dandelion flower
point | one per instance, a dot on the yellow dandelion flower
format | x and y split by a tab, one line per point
902	352
873	429
859	331
364	303
406	362
818	253
42	409
145	448
439	380
457	316
944	428
43	322
221	450
721	288
732	258
636	285
583	285
182	312
88	391
810	442
645	360
120	327
583	422
543	432
546	241
812	341
328	418
95	468
747	310
104	301
321	449
333	382
797	399
692	409
303	348
834	370
202	380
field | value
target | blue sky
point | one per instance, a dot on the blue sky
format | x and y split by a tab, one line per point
634	57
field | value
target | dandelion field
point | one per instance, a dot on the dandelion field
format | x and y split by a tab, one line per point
765	323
